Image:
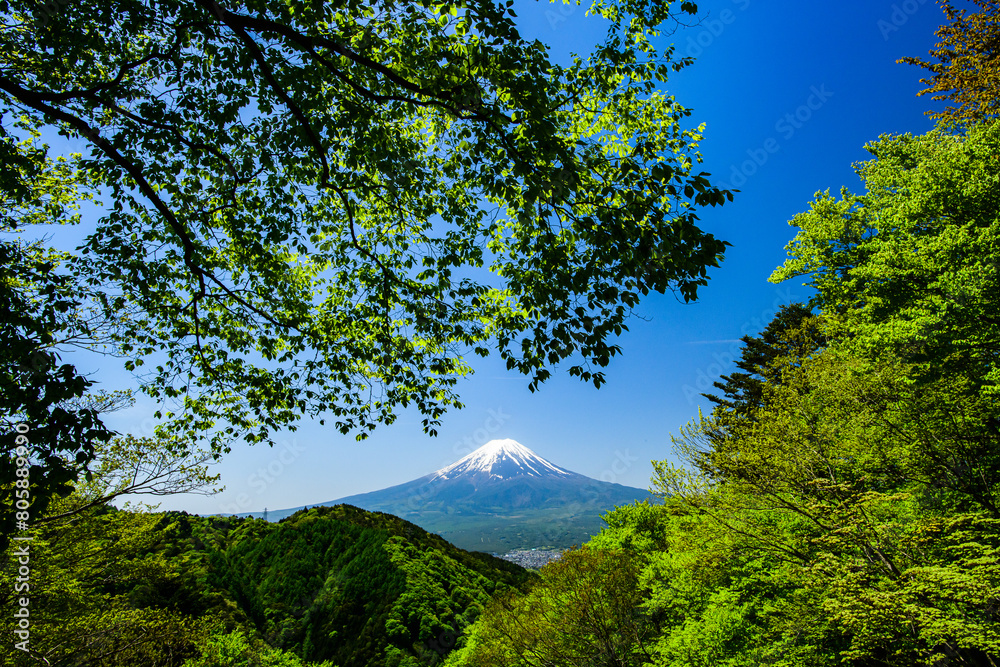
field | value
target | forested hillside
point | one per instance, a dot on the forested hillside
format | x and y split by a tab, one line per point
332	585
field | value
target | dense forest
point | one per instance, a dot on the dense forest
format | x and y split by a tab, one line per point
839	504
327	586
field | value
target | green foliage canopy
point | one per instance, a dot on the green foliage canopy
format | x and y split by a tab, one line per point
913	264
965	69
840	503
862	487
583	611
41	312
319	207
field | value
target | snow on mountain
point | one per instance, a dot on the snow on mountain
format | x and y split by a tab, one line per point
498	497
500	460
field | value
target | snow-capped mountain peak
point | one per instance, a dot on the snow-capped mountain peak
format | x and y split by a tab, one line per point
501	459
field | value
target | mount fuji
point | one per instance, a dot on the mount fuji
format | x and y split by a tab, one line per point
499	460
501	496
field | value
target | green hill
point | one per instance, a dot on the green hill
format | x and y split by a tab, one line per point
335	584
357	587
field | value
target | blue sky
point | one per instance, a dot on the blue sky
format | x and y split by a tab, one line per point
790	93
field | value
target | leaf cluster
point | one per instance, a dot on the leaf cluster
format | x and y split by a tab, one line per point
319	209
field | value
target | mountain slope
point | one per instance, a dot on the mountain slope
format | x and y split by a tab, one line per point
350	586
502	496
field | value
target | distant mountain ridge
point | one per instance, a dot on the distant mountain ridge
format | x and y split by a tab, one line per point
501	496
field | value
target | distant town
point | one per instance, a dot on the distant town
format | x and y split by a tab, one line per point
531	559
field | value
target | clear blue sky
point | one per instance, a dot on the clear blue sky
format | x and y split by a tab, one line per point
801	87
